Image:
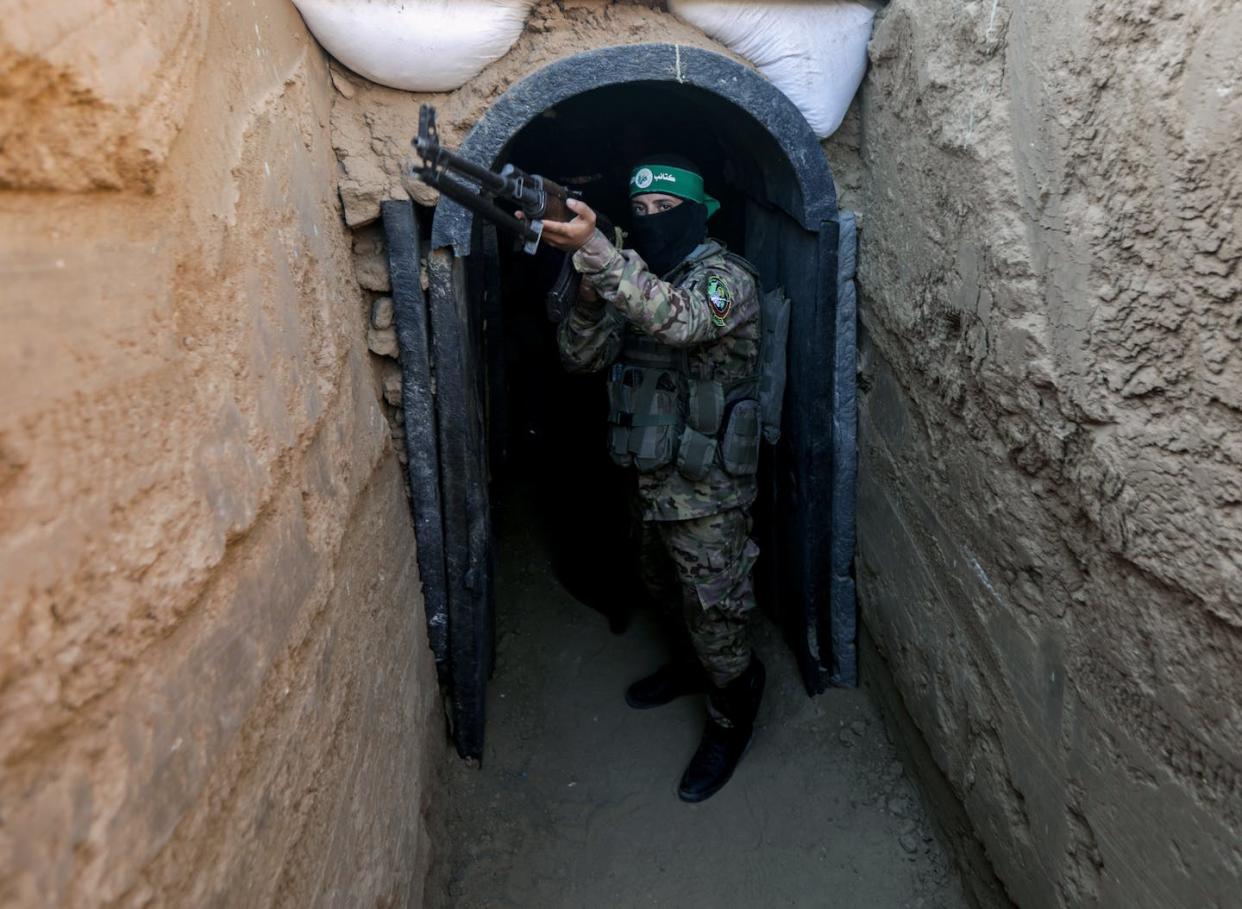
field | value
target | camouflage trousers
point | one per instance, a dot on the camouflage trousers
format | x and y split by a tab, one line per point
704	565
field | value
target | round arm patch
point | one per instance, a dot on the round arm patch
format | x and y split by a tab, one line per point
719	298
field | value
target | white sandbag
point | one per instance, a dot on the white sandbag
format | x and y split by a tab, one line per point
416	45
815	51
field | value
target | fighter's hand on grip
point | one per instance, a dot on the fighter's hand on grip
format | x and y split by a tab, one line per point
571	235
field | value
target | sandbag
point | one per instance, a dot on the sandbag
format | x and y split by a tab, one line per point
416	45
815	51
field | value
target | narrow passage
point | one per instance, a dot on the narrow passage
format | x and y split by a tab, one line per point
576	805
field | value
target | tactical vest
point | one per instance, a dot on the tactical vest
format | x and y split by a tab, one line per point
659	414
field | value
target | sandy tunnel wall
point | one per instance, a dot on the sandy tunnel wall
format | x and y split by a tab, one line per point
1052	431
215	686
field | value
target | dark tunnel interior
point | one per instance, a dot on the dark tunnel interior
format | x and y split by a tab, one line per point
546	427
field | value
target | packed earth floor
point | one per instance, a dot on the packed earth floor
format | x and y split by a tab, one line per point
575	804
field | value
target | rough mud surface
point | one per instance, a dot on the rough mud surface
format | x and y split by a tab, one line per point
214	680
576	803
1051	502
93	93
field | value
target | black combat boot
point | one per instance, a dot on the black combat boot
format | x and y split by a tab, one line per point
722	747
672	680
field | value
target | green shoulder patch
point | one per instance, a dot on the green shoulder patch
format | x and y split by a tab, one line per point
719	298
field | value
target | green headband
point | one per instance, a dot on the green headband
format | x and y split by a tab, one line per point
672	181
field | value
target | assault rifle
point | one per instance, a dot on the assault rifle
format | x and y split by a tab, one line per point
538	198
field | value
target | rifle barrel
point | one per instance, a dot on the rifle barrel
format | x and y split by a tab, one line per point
466	197
490	182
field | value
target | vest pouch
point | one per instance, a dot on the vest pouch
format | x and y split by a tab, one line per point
655	418
618	406
739	446
696	453
619	446
705	406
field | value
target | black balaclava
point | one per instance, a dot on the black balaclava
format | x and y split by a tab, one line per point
664	239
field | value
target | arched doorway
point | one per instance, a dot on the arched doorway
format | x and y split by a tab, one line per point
760	153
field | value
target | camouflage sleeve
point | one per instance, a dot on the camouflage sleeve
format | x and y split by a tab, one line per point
701	310
589	338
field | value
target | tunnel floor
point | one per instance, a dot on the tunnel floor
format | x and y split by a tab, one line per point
575	805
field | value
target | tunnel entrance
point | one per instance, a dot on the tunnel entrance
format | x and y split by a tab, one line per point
503	408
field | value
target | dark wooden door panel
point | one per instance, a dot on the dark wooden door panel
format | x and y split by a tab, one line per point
457	366
401	231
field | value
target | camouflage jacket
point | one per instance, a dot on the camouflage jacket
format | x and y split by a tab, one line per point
712	311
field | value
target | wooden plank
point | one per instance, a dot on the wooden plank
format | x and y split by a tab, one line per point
808	270
464	499
418	404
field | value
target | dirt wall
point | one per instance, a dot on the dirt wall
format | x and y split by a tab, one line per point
1050	520
215	687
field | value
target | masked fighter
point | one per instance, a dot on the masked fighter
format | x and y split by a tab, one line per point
675	321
